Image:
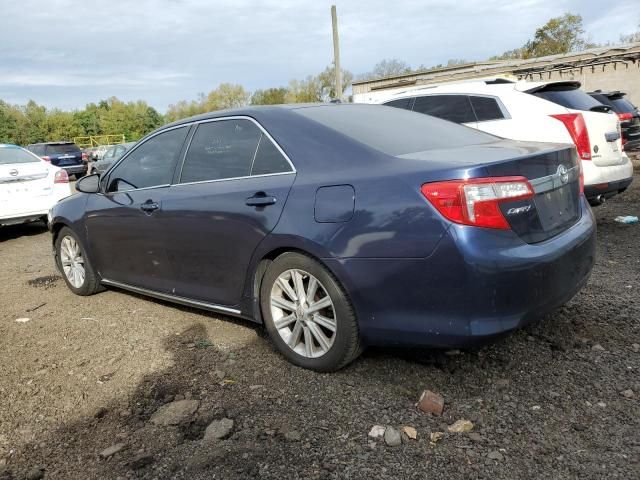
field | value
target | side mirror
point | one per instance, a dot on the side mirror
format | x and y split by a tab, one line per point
89	184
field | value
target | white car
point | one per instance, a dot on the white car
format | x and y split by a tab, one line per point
29	186
535	111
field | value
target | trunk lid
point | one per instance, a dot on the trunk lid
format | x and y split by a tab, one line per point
551	169
64	154
24	180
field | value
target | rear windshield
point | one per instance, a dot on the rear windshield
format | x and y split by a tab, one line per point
60	149
394	131
569	97
9	155
621	105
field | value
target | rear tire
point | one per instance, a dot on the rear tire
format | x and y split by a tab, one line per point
308	315
74	265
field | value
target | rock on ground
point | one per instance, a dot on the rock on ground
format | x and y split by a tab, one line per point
175	413
392	437
218	429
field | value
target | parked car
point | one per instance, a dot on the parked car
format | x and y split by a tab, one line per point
628	114
337	226
110	156
29	186
65	155
539	111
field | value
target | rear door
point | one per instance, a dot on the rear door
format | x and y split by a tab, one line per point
64	154
602	123
229	195
125	237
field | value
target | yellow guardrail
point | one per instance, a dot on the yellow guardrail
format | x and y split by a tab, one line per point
97	140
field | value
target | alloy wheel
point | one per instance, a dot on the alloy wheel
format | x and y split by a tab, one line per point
303	313
72	261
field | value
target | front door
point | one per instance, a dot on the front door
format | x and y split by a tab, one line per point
230	194
126	240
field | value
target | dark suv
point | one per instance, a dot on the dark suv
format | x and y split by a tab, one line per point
65	155
627	113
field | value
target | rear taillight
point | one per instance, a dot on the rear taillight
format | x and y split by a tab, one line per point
574	122
477	201
47	158
624	117
61	177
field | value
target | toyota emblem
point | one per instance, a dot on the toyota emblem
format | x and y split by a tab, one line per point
563	174
13	172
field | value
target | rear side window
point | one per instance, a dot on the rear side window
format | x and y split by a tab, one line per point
486	108
61	149
151	164
400	103
9	155
570	98
221	149
268	159
455	108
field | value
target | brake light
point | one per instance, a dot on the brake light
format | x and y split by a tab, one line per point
46	158
477	201
575	124
61	177
625	116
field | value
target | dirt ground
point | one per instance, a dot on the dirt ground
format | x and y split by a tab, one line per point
85	374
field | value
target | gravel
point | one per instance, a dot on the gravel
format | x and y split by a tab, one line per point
87	373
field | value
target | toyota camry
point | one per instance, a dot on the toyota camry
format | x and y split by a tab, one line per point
336	226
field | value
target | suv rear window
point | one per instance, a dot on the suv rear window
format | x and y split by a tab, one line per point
62	148
622	105
569	97
393	131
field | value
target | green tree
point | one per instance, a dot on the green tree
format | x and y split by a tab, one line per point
308	90
387	68
269	96
559	35
227	95
327	82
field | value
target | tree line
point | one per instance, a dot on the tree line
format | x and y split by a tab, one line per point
31	123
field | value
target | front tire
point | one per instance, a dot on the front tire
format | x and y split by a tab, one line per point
72	262
308	315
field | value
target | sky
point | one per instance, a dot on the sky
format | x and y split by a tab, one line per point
66	54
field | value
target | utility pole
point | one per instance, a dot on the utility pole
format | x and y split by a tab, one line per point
336	53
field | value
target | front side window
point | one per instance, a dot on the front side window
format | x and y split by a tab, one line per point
221	149
486	108
455	108
151	164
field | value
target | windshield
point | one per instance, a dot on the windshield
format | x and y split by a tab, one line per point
9	155
394	131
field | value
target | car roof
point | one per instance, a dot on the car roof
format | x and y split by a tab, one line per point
9	145
610	94
485	86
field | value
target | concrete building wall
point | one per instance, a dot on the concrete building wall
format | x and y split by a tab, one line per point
609	76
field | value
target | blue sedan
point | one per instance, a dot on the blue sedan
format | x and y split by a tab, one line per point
336	226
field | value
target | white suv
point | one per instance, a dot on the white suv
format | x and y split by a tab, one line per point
535	111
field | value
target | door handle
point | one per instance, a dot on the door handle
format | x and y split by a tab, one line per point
149	206
260	199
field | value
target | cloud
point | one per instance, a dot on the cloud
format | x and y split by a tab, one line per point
64	53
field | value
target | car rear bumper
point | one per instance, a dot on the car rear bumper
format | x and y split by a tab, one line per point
476	286
73	169
606	190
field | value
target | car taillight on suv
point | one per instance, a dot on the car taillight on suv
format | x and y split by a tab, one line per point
46	158
577	128
476	201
